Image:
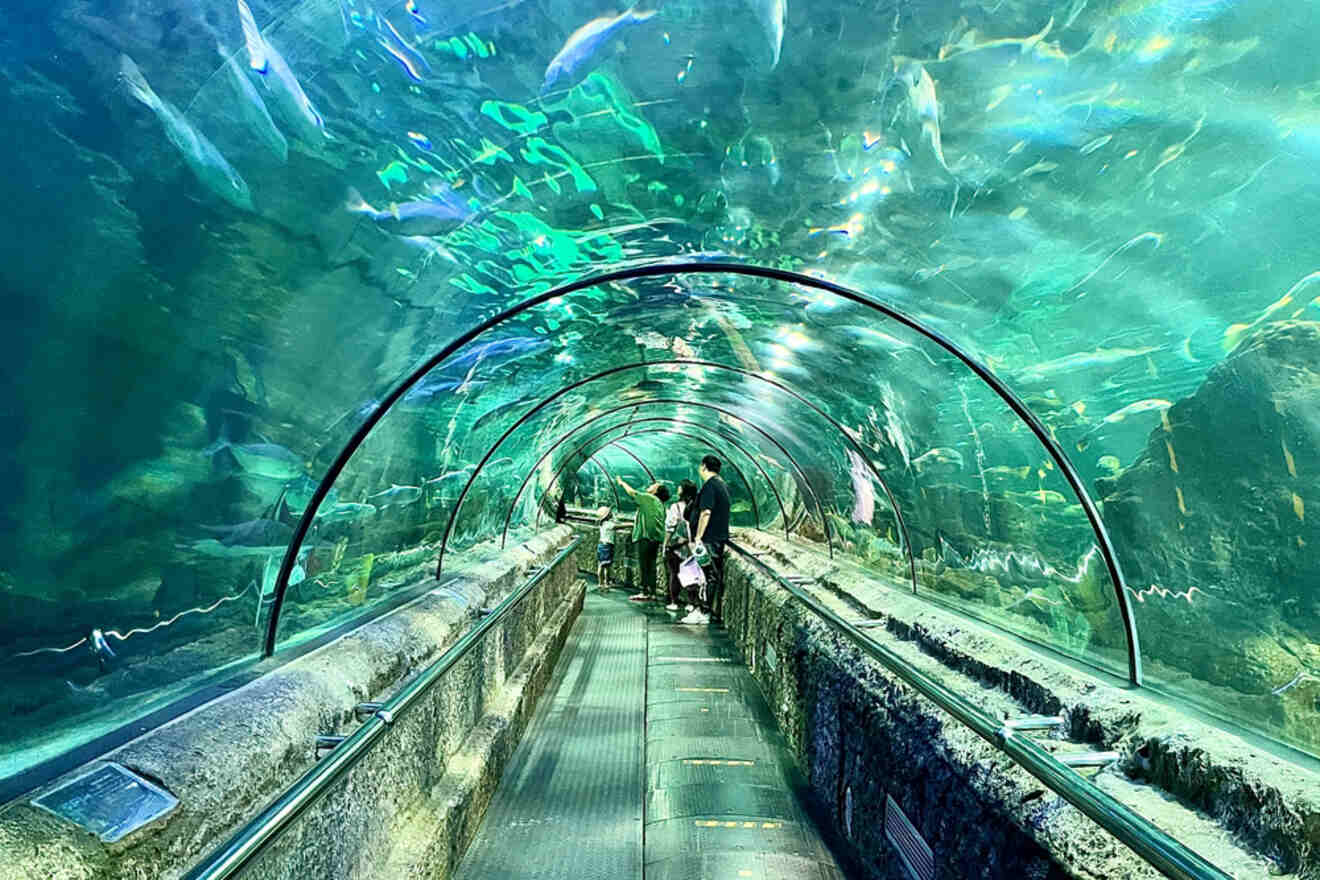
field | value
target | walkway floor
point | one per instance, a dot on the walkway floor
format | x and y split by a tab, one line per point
652	747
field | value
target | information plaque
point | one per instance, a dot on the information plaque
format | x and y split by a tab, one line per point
110	801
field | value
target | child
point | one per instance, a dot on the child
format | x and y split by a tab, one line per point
605	548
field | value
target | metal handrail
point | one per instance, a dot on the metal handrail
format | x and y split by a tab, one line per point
235	854
1164	853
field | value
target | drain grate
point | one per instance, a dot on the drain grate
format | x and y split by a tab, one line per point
914	852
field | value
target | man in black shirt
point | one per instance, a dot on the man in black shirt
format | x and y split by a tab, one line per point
711	531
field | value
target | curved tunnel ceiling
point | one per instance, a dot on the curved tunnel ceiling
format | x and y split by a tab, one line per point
224	252
844	463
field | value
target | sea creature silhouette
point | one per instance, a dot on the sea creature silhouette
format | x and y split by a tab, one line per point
206	162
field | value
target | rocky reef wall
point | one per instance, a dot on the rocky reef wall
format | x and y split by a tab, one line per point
1213	529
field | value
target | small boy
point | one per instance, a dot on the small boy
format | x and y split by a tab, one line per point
605	547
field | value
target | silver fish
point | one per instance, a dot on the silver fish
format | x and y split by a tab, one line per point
585	42
253	110
291	102
200	154
396	496
942	459
346	512
923	103
1140	406
773	15
268	460
433	216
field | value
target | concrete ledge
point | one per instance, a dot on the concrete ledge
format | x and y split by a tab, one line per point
227	759
861	734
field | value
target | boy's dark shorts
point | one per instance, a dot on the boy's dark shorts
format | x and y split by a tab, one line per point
604	554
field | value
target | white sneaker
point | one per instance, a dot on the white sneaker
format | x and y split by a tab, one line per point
696	617
671	607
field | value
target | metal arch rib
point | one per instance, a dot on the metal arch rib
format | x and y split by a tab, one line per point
783	513
646	470
609	478
527	416
801	475
665	401
618	444
708	444
613	485
756	513
733	444
700	267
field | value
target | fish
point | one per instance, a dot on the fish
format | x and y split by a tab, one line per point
1005	471
773	15
268	460
1288	458
253	533
393	42
1109	463
1140	406
211	169
252	109
429	216
880	338
968	43
1173	459
290	101
396	496
1236	332
435	386
922	102
1100	357
585	42
346	512
213	548
1156	237
940	457
1299	507
1091	146
505	350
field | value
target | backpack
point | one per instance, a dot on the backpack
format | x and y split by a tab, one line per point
679	533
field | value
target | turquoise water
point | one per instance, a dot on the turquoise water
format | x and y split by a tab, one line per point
222	249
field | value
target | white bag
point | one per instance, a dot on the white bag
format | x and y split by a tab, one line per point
689	573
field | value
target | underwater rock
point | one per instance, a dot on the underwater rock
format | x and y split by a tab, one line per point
1211	523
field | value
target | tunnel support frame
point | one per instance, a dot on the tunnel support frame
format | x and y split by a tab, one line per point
701	267
508	517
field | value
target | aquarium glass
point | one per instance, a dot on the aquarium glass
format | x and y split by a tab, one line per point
229	230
